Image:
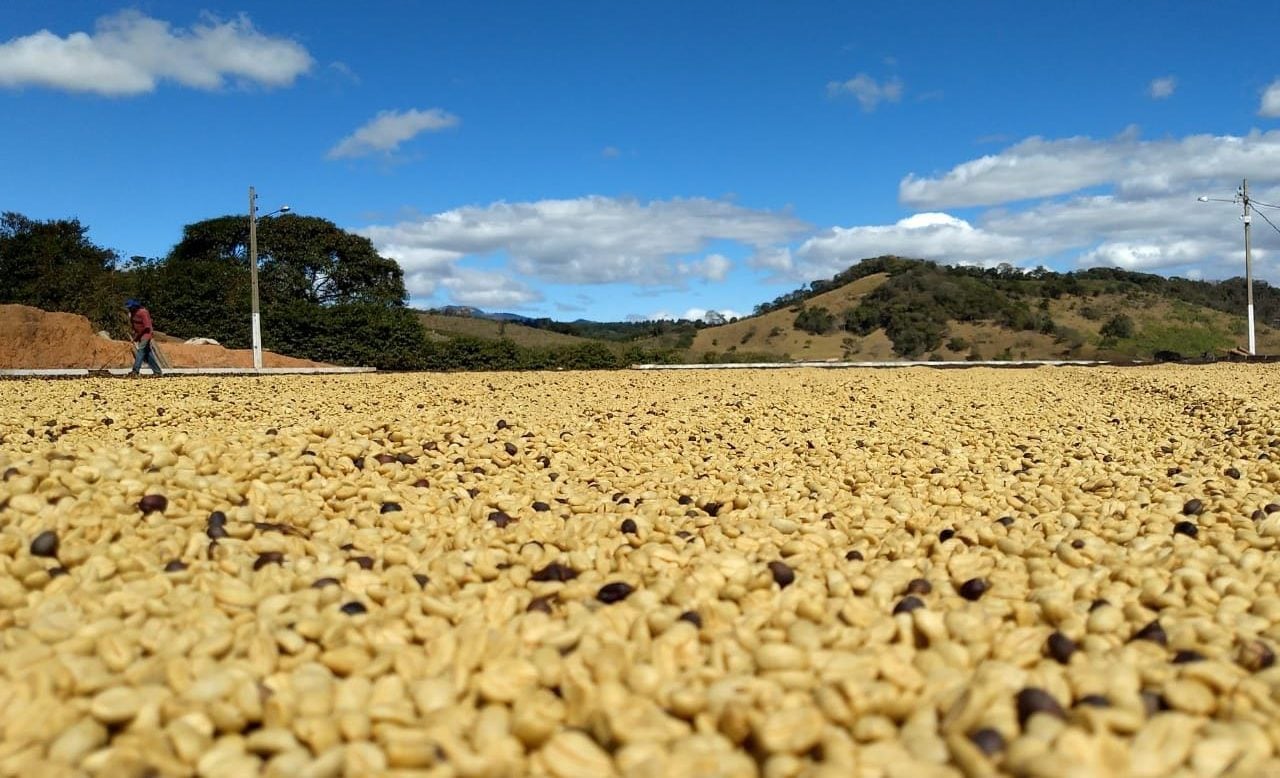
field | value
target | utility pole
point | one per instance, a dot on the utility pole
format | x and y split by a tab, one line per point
1248	261
252	275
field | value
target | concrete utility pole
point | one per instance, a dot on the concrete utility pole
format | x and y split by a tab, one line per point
1248	260
252	274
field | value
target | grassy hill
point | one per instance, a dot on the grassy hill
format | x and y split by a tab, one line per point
896	308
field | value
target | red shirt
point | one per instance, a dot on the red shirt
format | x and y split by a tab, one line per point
140	320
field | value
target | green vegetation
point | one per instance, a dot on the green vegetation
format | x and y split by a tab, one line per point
815	321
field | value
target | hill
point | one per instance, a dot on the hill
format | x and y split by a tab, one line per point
444	325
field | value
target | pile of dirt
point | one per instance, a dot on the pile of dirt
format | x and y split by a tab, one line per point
34	339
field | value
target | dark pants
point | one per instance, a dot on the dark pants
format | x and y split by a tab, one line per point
144	352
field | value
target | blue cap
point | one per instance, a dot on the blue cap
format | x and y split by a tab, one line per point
132	303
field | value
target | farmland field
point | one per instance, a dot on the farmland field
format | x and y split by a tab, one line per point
909	572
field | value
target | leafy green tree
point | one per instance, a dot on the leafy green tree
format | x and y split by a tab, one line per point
1117	327
816	321
54	266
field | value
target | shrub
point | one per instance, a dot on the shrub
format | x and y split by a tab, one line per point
815	321
1117	327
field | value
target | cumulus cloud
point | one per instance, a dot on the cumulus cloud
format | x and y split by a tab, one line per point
1270	100
690	314
486	289
869	92
385	132
129	53
1040	168
589	240
1162	87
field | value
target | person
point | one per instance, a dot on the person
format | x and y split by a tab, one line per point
140	321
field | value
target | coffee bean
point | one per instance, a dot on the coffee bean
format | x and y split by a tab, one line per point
57	572
935	471
1186	656
358	462
502	424
1185	528
783	575
406	459
685	499
1077	544
946	534
711	508
268	558
853	556
1271	508
629	526
272	430
320	583
614	592
472	492
1255	655
974	588
45	544
540	604
1258	515
907	604
1192	507
500	519
421	578
1060	647
1032	700
541	507
555	572
175	566
1094	701
390	507
692	617
216	531
365	562
510	449
1171	472
347	547
354	608
988	740
1153	702
1098	603
421	483
919	586
1152	632
1005	520
1231	472
153	503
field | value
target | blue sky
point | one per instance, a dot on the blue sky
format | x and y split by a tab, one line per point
615	160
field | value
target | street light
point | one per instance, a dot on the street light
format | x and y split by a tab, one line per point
255	320
1242	196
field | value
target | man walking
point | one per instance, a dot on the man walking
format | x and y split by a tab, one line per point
140	321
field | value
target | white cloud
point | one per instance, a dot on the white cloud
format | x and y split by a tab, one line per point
1162	87
489	290
1271	100
1039	168
589	240
1144	257
869	92
385	132
690	314
129	53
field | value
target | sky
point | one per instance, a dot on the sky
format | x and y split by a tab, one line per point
641	160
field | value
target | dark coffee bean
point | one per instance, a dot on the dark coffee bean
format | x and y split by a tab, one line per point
1258	515
1192	507
988	741
684	534
358	462
1032	700
783	575
406	459
692	617
853	556
1096	604
9	472
354	608
1094	701
935	471
1231	472
712	508
974	588
685	499
272	430
45	544
421	483
1077	544
365	562
153	503
175	566
268	558
1256	655
510	448
384	459
1187	656
540	604
1271	508
946	534
555	572
545	461
1005	520
541	507
347	547
215	531
907	604
1171	472
422	579
57	572
502	424
320	583
919	586
1152	632
1060	647
614	592
472	492
1153	702
390	507
1185	528
629	526
500	519
108	421
553	476
217	517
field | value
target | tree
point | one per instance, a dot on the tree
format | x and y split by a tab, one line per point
815	321
714	318
1117	327
54	266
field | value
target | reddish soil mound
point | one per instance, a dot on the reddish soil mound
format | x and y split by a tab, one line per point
31	338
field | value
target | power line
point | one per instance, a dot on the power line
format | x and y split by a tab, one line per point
1265	219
